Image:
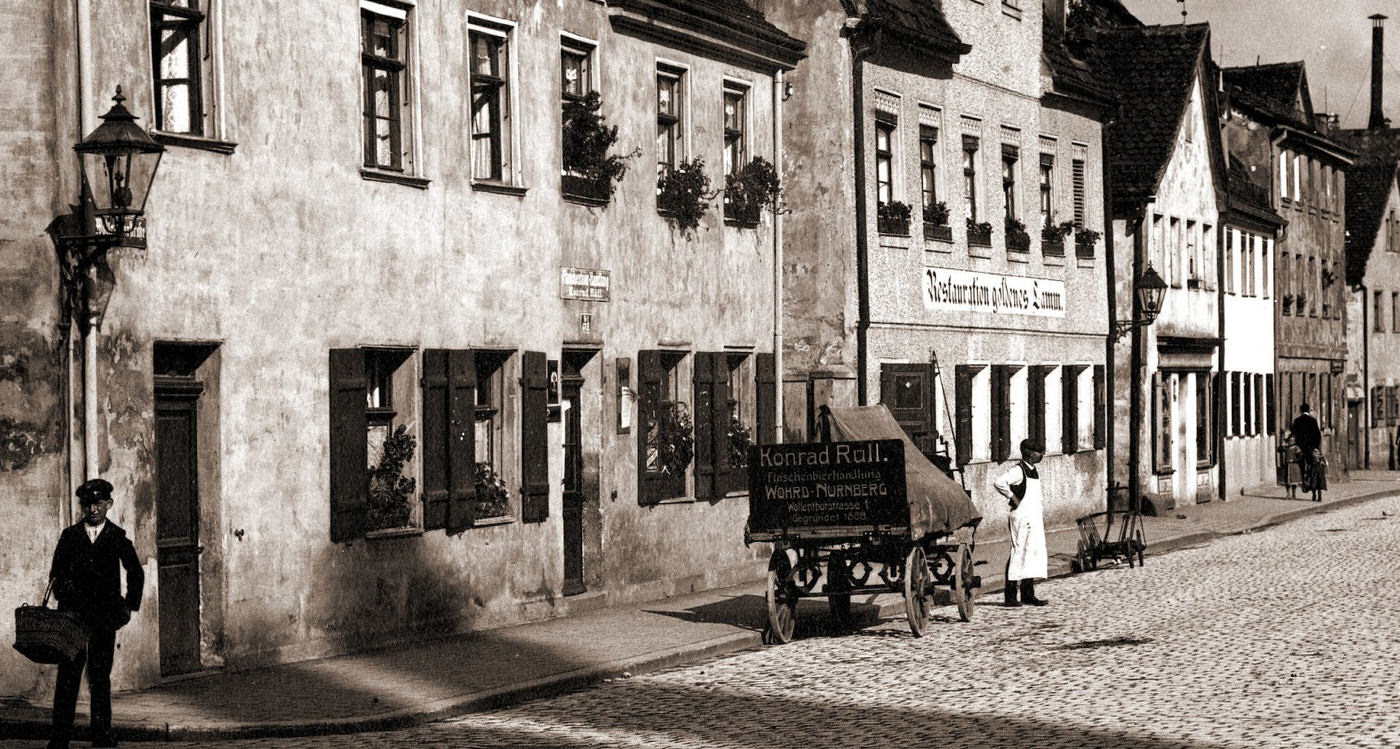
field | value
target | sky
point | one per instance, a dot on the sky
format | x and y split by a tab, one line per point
1333	37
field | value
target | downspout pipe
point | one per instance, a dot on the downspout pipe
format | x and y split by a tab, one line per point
778	88
1367	394
1110	281
861	46
82	28
1135	376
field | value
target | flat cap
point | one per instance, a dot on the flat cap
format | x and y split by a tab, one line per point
94	490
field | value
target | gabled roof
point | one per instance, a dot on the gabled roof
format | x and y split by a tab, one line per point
1277	92
1249	199
1068	73
1369	182
1151	71
919	24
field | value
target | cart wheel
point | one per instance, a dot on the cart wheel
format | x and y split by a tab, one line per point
964	585
916	583
838	579
782	599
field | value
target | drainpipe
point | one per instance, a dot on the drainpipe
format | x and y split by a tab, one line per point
1110	280
82	20
778	86
1367	395
1135	376
1217	400
861	46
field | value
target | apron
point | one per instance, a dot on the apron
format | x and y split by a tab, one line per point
1027	523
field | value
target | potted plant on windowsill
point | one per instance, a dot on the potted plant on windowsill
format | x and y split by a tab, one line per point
936	223
390	492
979	233
673	438
1085	240
1052	238
739	441
1017	239
492	494
590	172
750	190
1287	302
892	218
683	193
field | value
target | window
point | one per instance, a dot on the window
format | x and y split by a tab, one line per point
490	50
1077	177
1174	253
662	412
1205	441
575	69
736	118
1283	174
1286	282
724	422
884	161
1002	410
1047	189
1193	263
1230	261
181	60
928	167
1162	444
490	431
1266	259
1395	311
670	117
970	145
973	436
1009	157
1072	411
1312	281
384	44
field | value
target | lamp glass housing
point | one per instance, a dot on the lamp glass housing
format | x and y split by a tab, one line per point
1150	291
119	162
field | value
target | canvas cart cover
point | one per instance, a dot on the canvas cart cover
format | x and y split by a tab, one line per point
937	504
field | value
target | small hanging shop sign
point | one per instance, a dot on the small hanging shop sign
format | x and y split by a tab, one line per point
585	284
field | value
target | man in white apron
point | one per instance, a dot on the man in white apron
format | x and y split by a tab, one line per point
1021	487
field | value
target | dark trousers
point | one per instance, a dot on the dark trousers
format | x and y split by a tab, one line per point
98	661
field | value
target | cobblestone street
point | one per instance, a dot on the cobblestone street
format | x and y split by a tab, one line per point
1284	637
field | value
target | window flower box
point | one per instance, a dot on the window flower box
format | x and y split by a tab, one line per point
1052	238
1017	239
892	218
1085	240
979	234
936	223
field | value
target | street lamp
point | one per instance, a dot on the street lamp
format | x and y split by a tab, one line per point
119	162
1149	289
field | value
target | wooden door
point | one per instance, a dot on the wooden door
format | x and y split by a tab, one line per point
571	386
177	523
907	390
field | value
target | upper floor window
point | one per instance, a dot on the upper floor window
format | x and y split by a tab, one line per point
736	119
928	166
490	49
1009	157
182	66
884	162
384	45
576	70
670	117
1047	189
970	146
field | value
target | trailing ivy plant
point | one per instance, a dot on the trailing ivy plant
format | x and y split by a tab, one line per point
390	490
753	188
587	142
683	193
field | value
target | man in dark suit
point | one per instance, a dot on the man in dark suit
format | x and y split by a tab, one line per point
1308	437
86	581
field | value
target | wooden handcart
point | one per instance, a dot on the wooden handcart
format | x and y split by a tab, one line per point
862	513
1115	534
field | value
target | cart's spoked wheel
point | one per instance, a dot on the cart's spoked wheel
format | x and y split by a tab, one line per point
916	590
1081	559
839	604
964	585
782	599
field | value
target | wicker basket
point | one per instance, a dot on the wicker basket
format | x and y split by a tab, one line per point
46	635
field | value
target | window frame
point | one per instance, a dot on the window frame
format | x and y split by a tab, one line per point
654	487
971	145
1010	160
672	124
501	165
737	146
403	140
885	172
201	66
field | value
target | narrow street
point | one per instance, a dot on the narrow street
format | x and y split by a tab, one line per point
1282	637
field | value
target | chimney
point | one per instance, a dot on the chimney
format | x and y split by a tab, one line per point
1377	71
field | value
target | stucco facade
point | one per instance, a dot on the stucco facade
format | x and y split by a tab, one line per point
969	343
272	245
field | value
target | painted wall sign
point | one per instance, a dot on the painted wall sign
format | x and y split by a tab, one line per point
946	289
587	284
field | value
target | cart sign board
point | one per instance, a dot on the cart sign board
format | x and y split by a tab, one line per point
826	487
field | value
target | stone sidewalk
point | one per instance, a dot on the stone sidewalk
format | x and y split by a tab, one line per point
411	684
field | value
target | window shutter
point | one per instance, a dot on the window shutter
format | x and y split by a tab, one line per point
649	486
1100	413
1001	412
436	438
766	398
1069	420
721	419
1234	404
349	450
1035	403
1258	403
461	440
1270	412
1077	175
534	438
962	392
711	421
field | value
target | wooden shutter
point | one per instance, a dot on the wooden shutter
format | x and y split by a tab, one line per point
1035	403
1258	403
727	478
534	438
1001	412
711	419
650	486
461	440
1069	409
962	393
766	398
1234	404
1077	184
436	437
1270	409
349	450
1100	410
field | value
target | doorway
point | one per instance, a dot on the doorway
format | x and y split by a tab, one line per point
177	521
579	490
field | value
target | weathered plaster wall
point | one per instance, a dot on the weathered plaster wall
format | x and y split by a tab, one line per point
1382	349
281	251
